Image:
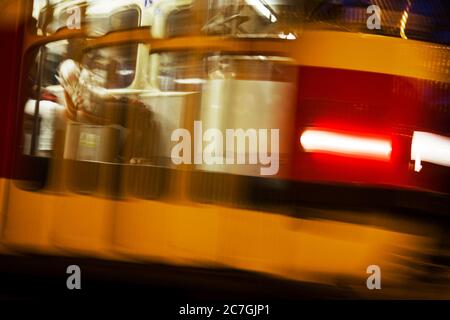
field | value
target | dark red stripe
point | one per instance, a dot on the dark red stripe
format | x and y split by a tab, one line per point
10	44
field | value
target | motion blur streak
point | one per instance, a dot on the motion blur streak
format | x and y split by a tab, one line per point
347	144
429	147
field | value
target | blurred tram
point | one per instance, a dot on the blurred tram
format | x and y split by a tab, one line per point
362	113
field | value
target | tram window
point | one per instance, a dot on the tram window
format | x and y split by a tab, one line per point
113	18
263	68
180	71
269	18
45	97
110	121
113	67
187	71
181	23
101	16
52	16
125	20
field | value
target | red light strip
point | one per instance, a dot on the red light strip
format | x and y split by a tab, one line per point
314	140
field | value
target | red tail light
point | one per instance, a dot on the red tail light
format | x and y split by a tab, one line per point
348	144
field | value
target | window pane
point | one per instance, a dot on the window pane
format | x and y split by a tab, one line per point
269	18
180	71
98	16
112	67
45	98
